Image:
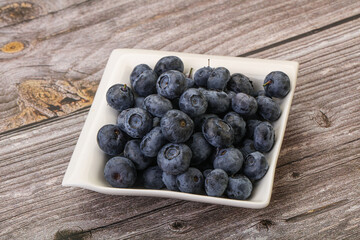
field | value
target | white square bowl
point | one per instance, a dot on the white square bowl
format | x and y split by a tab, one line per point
86	166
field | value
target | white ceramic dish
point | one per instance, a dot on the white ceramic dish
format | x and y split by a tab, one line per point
85	169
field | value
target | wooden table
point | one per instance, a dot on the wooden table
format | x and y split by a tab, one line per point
52	57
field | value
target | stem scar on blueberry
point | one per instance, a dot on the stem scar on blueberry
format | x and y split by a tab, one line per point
116	176
223	153
182	123
196	179
267	83
124	88
117	132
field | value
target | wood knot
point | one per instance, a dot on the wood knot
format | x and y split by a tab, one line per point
295	174
178	226
67	234
322	119
18	12
12	47
265	224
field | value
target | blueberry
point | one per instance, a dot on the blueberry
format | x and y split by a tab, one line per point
139	102
174	158
264	137
277	84
255	166
169	63
238	125
268	108
176	126
218	133
206	172
139	69
240	83
216	183
152	142
137	122
251	124
247	147
171	84
132	152
145	83
199	120
218	79
229	159
193	102
157	105
244	104
202	75
190	83
169	181
120	97
111	139
201	149
218	102
261	93
156	122
152	177
231	94
120	121
120	172
191	181
239	187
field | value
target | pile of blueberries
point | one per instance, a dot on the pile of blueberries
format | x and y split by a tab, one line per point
202	135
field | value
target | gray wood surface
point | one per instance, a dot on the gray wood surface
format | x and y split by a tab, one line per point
58	51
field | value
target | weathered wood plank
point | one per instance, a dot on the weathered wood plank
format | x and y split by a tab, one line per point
316	189
62	46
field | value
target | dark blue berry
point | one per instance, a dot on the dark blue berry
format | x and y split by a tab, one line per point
190	83
145	83
176	126
202	75
174	158
244	104
247	147
216	183
218	79
277	84
152	142
170	181
229	159
132	152
169	63
218	102
240	83
251	124
136	122
268	109
152	177
239	187
206	172
120	97
191	181
264	137
120	172
139	69
193	102
201	149
111	139
171	84
238	125
199	120
255	166
139	102
157	105
218	133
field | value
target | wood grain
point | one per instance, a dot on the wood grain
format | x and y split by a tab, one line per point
59	43
317	187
